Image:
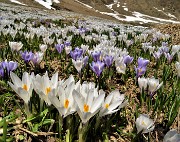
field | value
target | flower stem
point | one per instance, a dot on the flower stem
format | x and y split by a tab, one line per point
26	107
60	127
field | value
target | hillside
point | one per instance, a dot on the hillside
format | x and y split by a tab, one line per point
134	11
145	11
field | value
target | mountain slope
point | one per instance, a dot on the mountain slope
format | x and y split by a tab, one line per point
156	8
139	11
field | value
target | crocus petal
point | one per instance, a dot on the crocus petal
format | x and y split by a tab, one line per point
97	103
15	79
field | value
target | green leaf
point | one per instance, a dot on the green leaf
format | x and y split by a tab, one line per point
36	117
4	130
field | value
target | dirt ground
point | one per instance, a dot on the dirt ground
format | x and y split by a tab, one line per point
173	30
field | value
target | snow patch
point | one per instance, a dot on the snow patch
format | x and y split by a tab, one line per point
139	17
84	4
46	3
137	14
110	6
125	8
56	1
168	14
118	5
15	1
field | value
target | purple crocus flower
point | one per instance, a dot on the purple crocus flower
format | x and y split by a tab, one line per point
164	44
38	56
8	66
86	58
67	43
114	33
1	71
4	64
27	56
157	54
141	69
96	55
164	49
97	67
80	50
128	59
82	30
59	47
142	62
108	60
74	55
169	57
11	66
77	53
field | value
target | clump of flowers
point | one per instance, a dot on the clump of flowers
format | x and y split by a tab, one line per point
15	46
6	67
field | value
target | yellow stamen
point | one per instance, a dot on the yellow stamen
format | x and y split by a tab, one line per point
25	87
140	70
155	85
143	123
48	89
66	103
106	106
86	108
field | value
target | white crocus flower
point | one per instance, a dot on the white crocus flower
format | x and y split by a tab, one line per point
15	46
68	49
84	47
68	81
175	49
172	136
88	38
59	41
85	87
64	102
43	47
78	64
153	85
142	82
177	65
43	85
48	40
22	87
120	65
151	49
119	97
144	124
112	103
179	56
88	106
